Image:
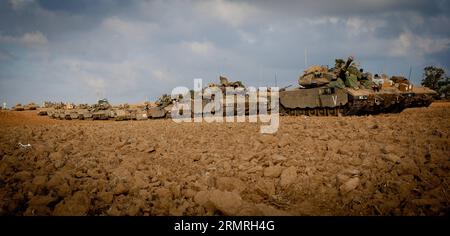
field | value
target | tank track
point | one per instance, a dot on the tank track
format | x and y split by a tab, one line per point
322	111
361	107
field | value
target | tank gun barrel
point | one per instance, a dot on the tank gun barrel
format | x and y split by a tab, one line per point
348	62
284	88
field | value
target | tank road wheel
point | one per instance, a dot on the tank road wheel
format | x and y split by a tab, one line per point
331	111
318	111
306	112
282	111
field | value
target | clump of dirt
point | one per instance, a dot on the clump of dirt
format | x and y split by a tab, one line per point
394	164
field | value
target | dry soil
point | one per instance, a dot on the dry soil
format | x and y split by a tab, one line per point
393	164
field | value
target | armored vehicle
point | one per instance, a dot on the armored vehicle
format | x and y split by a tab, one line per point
18	107
163	107
347	90
30	106
102	110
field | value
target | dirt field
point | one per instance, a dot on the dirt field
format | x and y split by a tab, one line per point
394	164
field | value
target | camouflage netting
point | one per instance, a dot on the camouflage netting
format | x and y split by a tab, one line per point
345	73
338	83
164	101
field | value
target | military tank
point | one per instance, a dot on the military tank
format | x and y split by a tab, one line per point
165	103
122	112
101	111
162	109
31	106
346	89
18	107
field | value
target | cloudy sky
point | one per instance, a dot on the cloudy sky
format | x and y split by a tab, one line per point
128	51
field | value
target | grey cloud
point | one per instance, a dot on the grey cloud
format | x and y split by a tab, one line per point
130	50
351	7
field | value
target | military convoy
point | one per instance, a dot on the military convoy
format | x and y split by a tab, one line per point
344	89
28	107
102	110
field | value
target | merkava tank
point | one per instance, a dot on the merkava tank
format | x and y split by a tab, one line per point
75	112
18	107
70	111
43	111
238	89
81	112
130	112
100	111
31	106
51	109
28	107
413	96
346	89
162	109
165	103
122	112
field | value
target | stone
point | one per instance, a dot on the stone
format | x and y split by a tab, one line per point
266	187
120	189
349	185
76	205
40	200
387	149
63	190
341	179
266	139
201	198
278	158
229	203
408	167
343	152
230	184
164	194
288	176
352	172
56	180
284	141
272	171
106	197
391	157
58	159
22	176
39	181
